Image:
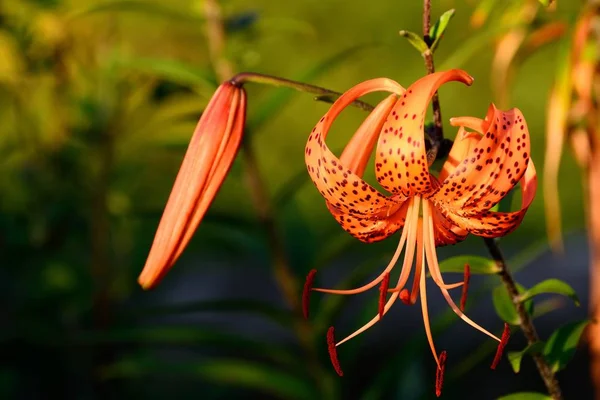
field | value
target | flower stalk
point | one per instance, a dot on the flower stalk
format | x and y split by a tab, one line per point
437	135
258	191
321	94
525	321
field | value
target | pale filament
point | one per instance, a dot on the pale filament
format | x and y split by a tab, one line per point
434	269
410	220
414	293
425	313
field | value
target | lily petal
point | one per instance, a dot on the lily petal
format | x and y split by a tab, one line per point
494	165
351	200
401	159
495	224
208	158
463	144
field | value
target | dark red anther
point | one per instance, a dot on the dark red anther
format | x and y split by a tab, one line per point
383	293
306	292
465	288
405	297
439	374
501	345
333	352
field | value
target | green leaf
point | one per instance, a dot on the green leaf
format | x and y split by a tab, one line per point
551	286
437	31
172	70
269	380
477	265
283	317
136	6
416	41
515	357
545	3
190	335
505	307
525	396
562	344
282	96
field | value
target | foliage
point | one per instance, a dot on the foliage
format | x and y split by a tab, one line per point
98	100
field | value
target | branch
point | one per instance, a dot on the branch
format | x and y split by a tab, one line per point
525	321
437	134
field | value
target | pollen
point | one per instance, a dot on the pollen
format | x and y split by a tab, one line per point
333	352
501	345
465	287
385	283
439	374
306	292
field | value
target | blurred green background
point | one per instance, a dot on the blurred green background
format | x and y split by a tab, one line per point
98	100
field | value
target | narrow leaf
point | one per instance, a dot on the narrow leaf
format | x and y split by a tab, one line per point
416	41
276	314
437	31
189	335
173	70
136	6
558	106
551	286
478	265
282	96
515	357
505	307
269	380
562	344
525	396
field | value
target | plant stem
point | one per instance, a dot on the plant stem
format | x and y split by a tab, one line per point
323	94
525	321
438	132
282	270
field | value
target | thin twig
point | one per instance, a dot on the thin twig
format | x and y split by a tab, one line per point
437	136
526	323
525	320
282	270
322	94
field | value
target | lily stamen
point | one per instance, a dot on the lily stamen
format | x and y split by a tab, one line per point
465	290
333	352
501	345
482	167
310	278
383	289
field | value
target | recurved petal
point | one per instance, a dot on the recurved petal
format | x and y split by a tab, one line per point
371	228
341	187
208	158
401	159
492	167
464	142
445	231
495	224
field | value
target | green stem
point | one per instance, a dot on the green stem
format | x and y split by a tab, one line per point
525	320
437	134
322	94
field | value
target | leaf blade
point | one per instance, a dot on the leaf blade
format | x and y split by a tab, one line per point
477	265
555	286
437	30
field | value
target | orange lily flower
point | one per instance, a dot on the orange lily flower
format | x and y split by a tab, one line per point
489	157
209	156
